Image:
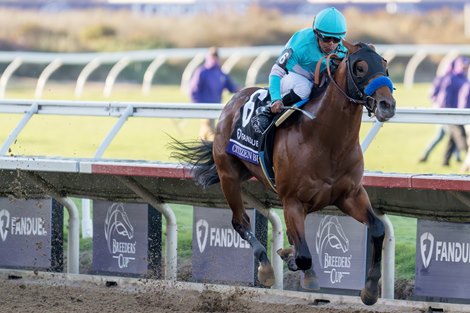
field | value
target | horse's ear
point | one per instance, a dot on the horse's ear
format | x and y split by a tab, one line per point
351	47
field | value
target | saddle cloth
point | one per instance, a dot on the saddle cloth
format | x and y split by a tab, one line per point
245	141
249	143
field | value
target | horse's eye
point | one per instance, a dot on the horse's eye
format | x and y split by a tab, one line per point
360	69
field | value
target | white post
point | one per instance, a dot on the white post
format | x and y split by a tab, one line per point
73	253
388	259
171	226
87	225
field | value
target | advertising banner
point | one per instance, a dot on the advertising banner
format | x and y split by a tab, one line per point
442	260
121	237
31	234
219	253
338	245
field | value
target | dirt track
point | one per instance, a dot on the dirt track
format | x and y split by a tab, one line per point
56	294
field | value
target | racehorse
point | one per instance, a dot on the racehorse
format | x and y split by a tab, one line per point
316	162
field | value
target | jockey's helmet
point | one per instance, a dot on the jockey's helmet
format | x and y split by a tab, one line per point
330	22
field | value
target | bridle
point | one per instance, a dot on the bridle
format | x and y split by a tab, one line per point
360	90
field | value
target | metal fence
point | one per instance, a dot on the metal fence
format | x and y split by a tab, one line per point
153	60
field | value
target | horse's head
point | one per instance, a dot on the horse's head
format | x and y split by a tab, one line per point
368	81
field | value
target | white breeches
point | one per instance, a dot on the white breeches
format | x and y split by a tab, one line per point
300	84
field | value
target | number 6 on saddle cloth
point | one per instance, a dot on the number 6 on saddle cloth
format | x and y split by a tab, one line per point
248	142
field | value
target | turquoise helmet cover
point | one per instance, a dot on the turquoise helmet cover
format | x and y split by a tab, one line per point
330	23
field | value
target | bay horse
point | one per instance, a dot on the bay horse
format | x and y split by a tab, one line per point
317	162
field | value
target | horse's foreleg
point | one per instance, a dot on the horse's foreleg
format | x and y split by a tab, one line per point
241	223
370	292
295	223
358	206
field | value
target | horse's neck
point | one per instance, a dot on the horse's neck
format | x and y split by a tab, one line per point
339	120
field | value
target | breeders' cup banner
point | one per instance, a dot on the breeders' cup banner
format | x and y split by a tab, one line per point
120	232
219	253
338	245
31	233
244	142
443	259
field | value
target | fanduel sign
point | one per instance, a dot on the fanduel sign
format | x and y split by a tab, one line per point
442	255
338	245
26	233
217	247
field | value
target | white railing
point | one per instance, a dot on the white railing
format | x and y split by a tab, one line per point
123	110
154	59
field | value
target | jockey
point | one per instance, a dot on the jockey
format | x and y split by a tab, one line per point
291	78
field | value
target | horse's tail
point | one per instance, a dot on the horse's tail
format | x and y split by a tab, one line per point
198	154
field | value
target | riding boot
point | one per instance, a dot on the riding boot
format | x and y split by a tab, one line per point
264	117
264	114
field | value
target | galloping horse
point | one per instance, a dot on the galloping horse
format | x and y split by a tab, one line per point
317	162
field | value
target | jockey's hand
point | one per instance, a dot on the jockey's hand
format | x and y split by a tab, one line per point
277	106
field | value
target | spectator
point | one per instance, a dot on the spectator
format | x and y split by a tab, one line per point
207	85
464	103
449	95
441	131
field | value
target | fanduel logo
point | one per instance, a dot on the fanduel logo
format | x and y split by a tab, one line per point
20	225
217	237
4	222
443	251
427	246
202	232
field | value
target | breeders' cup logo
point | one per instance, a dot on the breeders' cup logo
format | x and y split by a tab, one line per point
118	230
331	244
427	245
4	222
202	232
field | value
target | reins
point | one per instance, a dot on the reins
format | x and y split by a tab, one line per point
366	99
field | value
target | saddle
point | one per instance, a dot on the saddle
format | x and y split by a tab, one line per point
249	143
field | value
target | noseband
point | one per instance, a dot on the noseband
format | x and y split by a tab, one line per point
360	90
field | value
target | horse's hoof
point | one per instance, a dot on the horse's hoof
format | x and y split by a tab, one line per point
309	280
369	298
287	255
266	275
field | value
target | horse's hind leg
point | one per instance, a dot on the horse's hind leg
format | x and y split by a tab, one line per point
359	208
230	179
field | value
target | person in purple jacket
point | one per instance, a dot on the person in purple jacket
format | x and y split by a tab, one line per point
441	130
464	103
449	96
207	86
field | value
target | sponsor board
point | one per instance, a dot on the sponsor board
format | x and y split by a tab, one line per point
442	260
219	253
121	237
27	236
338	245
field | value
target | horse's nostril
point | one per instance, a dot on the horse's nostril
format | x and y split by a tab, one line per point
387	104
384	104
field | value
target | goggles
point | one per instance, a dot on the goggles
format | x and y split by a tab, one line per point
326	39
